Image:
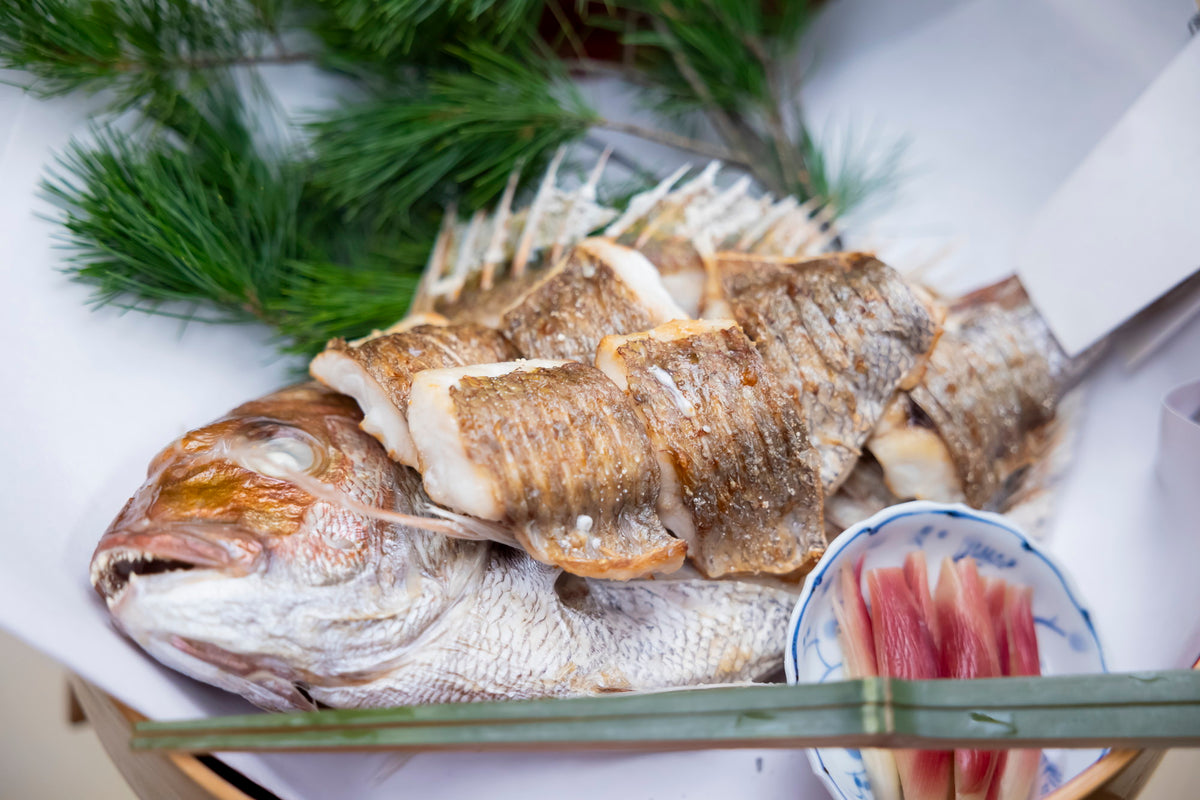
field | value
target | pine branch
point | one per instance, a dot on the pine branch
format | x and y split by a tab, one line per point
675	140
212	227
191	215
792	163
126	45
715	111
864	169
464	134
724	59
605	69
385	31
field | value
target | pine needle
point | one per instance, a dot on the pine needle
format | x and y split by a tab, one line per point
155	220
463	134
200	211
388	30
126	46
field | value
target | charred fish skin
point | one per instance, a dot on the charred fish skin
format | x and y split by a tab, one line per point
378	372
225	569
573	466
598	289
843	333
747	477
995	376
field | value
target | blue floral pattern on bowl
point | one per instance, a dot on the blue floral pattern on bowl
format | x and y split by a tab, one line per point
1067	641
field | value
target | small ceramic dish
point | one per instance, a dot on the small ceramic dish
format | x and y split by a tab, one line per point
1067	642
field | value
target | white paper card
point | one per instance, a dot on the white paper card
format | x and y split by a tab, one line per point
1179	452
1125	227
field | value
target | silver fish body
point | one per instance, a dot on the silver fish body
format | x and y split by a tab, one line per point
229	568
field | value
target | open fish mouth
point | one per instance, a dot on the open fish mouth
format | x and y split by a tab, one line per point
112	570
124	554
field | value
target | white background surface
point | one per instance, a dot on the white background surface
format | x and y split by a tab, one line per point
1001	101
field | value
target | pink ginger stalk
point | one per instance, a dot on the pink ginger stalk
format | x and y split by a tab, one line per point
993	592
916	574
854	625
1020	768
904	648
858	650
969	649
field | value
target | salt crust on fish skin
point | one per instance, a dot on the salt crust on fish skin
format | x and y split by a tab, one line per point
842	332
576	473
378	371
746	474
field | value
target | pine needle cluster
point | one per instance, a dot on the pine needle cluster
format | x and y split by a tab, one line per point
181	203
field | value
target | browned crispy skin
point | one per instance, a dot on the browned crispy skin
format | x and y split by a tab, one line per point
993	379
843	332
577	477
747	473
487	306
671	256
394	358
572	308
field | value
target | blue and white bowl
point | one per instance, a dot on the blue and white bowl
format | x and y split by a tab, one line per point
1067	641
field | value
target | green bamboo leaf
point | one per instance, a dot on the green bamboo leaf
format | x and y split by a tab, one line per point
1160	709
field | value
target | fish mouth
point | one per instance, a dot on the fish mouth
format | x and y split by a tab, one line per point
124	554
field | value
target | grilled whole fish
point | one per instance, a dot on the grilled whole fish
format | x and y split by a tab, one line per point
280	554
229	568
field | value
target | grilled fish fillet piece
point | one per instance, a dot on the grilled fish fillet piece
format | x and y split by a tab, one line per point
842	332
994	377
740	479
681	269
863	494
553	449
1028	495
599	288
225	568
487	306
409	322
377	372
915	460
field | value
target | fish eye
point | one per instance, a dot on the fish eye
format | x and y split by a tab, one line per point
278	450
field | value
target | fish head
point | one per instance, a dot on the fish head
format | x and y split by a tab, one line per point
236	541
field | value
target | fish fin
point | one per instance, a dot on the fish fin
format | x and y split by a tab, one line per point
472	529
494	254
425	298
